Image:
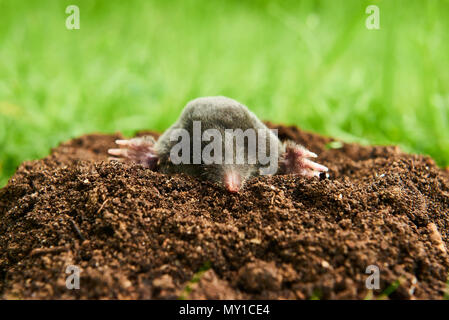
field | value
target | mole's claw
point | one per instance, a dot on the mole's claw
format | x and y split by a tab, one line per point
295	160
122	142
138	150
300	151
117	152
309	154
309	173
315	166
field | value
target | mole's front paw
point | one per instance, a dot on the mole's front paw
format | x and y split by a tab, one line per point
295	160
138	150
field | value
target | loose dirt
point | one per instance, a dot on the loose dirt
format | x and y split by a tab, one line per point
138	234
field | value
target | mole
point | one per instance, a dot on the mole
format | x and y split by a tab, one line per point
237	152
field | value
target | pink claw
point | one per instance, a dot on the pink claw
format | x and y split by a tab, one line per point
137	150
295	161
118	152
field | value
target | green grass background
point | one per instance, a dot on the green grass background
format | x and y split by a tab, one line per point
134	64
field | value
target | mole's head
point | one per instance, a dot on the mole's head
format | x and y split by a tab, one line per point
231	177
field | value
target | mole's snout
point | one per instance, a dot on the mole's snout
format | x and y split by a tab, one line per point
232	181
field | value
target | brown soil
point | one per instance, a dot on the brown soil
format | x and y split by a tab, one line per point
140	234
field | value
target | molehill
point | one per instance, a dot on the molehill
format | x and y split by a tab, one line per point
138	234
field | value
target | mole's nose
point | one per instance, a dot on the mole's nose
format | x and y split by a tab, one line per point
232	181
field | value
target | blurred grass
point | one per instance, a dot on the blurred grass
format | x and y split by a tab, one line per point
134	64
